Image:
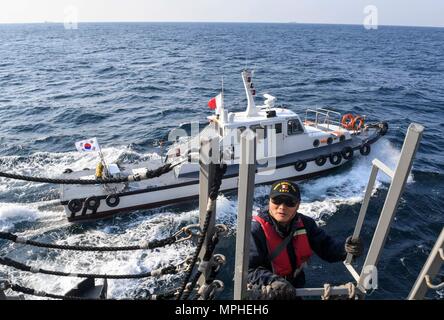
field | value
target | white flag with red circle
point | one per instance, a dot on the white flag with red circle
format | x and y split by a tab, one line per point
215	102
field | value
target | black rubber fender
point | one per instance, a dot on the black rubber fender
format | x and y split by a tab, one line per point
321	160
112	200
335	158
300	165
92	203
384	128
342	138
347	153
365	149
329	140
316	143
75	205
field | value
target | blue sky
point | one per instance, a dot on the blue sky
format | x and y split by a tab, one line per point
390	12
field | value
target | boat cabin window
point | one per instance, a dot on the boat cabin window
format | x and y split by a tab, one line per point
278	128
294	127
261	132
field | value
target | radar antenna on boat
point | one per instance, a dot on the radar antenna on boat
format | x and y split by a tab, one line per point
269	101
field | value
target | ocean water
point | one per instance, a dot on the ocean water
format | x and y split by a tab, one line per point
130	84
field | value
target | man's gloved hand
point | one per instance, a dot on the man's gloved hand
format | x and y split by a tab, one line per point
354	247
280	289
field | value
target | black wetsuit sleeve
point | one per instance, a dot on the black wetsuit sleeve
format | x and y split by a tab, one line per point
322	244
259	269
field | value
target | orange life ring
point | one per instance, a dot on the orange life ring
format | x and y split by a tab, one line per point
360	121
348	121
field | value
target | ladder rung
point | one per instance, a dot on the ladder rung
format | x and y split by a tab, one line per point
382	166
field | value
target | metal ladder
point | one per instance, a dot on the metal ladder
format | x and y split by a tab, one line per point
398	180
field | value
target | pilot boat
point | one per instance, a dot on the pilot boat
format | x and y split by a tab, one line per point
287	147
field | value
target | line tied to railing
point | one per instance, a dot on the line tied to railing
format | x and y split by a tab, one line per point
38	293
143	246
154	273
150	174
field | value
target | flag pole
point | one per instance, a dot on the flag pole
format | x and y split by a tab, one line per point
222	98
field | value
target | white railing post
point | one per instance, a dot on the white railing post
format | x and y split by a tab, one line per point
247	168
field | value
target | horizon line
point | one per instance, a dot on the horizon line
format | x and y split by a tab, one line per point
227	22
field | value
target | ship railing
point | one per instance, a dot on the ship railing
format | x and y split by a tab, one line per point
322	118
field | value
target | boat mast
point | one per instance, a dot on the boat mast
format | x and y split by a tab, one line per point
220	108
251	92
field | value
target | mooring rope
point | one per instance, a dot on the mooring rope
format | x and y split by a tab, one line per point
147	245
38	293
23	267
164	296
150	174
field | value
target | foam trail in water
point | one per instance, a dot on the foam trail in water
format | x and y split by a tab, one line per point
322	196
14	213
10	214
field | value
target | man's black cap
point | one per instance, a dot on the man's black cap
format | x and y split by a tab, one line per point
285	188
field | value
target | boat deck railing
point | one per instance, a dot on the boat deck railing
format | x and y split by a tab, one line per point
322	117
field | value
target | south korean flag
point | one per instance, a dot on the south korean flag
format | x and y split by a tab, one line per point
88	145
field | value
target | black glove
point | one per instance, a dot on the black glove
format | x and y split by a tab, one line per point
280	289
354	247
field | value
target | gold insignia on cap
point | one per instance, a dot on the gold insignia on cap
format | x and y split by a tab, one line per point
284	187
